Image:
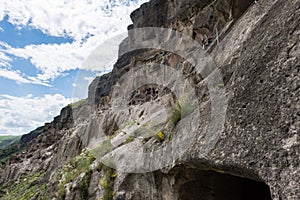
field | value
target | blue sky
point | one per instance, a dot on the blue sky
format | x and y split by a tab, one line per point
44	46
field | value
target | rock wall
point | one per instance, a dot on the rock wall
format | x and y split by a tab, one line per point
255	48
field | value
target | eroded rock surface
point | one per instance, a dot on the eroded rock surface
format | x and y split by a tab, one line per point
255	47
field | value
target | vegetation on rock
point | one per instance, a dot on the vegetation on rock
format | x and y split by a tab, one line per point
25	189
107	182
76	166
9	151
77	104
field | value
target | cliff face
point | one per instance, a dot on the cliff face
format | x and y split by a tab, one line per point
244	145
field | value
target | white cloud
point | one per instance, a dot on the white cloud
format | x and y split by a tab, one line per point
89	79
19	115
16	76
75	18
13	75
4	59
1	29
88	22
53	59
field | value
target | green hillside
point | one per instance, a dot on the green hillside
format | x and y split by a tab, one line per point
8	147
7	140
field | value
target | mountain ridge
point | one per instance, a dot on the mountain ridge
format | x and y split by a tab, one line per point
253	45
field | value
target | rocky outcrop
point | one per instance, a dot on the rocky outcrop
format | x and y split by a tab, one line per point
64	120
137	119
25	139
100	87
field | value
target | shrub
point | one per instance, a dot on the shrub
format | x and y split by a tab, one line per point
160	136
107	182
76	166
83	185
26	188
129	139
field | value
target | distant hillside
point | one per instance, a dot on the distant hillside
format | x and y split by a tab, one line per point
8	147
7	140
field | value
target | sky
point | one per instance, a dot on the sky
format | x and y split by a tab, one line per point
45	47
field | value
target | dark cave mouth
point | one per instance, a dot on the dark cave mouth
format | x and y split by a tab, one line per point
210	185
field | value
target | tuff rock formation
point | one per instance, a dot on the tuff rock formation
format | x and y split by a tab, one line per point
161	145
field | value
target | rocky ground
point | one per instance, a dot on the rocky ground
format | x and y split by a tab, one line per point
160	126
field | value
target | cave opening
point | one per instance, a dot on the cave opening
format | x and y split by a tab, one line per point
210	185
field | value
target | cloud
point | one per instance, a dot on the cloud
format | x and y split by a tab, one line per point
76	18
1	29
8	72
13	75
19	115
53	59
4	59
16	76
89	23
89	79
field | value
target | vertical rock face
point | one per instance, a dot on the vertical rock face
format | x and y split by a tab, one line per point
99	87
254	45
202	20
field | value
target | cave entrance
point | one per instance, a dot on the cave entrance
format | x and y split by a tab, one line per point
210	185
